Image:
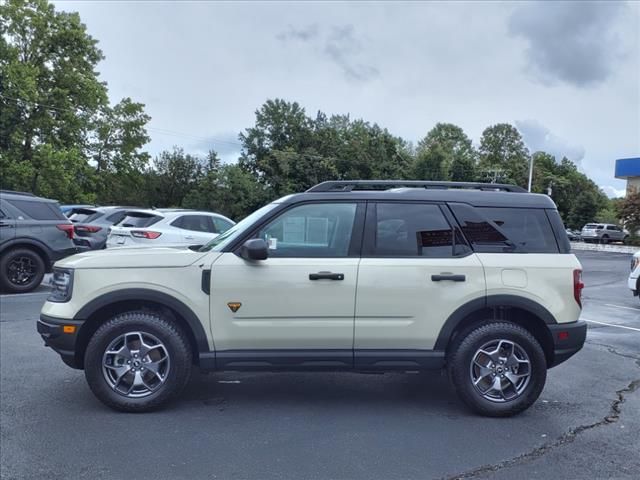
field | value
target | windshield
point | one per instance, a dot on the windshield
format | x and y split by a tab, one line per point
221	241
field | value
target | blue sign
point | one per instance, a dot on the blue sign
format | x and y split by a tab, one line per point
628	167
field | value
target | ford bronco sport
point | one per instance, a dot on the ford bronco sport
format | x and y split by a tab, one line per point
350	275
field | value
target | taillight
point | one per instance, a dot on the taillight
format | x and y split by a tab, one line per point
577	286
145	234
87	228
66	228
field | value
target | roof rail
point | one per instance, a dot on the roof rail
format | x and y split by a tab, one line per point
13	192
349	185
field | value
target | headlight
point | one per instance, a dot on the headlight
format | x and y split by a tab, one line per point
62	285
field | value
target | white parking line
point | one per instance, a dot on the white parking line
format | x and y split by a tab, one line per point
612	325
620	306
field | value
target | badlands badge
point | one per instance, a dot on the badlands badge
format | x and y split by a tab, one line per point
234	306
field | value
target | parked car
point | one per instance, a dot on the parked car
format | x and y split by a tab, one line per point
634	276
166	226
572	235
603	233
91	225
33	235
444	278
68	209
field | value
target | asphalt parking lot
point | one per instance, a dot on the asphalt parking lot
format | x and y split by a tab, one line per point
586	423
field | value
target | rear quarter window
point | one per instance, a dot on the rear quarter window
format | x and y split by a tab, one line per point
38	210
503	230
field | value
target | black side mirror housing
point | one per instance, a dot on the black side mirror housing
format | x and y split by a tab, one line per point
254	249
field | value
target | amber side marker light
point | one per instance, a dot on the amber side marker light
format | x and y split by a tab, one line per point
69	329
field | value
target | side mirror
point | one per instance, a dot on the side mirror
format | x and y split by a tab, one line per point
254	249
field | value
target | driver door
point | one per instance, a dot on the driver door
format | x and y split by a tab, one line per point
297	306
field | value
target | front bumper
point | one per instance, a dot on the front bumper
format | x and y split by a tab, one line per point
51	330
568	339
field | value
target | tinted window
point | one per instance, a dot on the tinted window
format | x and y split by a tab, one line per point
611	227
411	230
38	210
2	215
116	217
221	224
139	220
313	230
525	230
196	223
83	215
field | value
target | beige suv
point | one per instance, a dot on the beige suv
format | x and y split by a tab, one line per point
353	275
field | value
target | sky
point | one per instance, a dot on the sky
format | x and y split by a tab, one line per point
566	74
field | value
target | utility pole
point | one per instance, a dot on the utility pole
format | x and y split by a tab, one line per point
530	172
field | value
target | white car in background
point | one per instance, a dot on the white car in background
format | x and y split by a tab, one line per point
634	276
165	226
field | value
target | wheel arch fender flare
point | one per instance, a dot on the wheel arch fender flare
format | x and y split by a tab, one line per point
464	311
153	296
23	242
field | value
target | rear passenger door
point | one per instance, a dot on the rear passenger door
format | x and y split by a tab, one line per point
415	271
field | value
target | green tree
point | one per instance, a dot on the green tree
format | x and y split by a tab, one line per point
49	91
430	164
460	156
173	176
119	133
503	151
630	212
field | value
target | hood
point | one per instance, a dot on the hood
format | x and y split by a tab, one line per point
134	257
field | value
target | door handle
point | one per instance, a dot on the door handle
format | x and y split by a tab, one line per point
452	278
188	237
326	276
2	224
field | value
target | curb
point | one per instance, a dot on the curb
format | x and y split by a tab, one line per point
596	247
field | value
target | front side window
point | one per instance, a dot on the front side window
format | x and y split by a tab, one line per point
311	230
411	230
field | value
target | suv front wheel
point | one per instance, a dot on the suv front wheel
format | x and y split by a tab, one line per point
137	361
498	369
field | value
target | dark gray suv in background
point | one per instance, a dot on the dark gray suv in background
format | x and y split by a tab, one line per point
33	235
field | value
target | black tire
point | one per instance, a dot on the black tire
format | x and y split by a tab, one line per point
625	240
460	361
604	240
151	325
21	270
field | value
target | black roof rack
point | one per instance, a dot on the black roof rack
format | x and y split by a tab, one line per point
13	192
350	185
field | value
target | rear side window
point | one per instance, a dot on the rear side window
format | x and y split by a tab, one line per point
38	210
139	220
411	230
500	230
195	223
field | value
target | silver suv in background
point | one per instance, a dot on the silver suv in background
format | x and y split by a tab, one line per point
603	233
33	235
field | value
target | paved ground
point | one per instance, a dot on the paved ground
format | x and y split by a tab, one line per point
316	426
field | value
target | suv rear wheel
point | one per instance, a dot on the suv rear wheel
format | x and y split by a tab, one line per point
498	369
137	361
21	270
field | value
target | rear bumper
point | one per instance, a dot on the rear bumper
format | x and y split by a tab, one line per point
568	339
52	332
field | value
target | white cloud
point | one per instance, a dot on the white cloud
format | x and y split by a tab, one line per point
613	192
